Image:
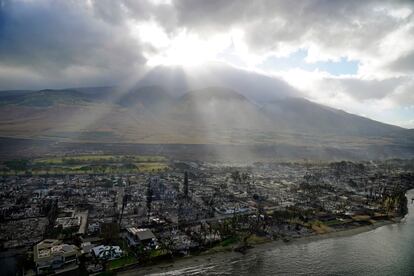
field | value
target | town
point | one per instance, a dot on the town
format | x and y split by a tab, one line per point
102	213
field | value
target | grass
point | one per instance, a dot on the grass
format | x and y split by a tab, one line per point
121	262
229	241
100	158
254	239
223	246
333	222
157	253
217	249
93	164
149	167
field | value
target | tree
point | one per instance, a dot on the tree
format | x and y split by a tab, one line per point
17	165
167	244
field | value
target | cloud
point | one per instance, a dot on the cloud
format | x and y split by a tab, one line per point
270	25
47	43
403	64
63	43
364	89
387	100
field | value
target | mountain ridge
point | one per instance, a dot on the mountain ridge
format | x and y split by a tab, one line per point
212	115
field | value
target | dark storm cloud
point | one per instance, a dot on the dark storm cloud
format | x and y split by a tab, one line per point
338	25
62	42
67	43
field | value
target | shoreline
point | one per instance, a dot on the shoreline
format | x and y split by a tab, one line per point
186	263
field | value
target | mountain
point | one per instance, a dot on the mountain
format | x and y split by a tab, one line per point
256	87
46	97
145	96
212	115
301	115
222	110
217	94
13	93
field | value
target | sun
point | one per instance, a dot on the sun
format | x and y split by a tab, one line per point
185	50
181	48
177	49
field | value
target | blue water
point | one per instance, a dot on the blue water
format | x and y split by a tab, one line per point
388	250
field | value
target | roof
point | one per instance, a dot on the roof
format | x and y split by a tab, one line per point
68	222
87	247
49	248
141	233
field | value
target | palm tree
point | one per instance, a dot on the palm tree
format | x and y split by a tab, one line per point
167	244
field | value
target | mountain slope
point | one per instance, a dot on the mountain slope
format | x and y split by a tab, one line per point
300	115
46	97
212	115
146	96
221	109
256	87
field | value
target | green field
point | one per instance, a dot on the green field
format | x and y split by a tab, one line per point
86	164
81	159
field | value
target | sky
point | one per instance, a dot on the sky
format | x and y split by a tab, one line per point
353	55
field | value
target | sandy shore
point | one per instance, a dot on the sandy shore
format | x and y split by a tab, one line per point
191	261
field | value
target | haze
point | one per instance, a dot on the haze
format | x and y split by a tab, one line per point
206	137
351	55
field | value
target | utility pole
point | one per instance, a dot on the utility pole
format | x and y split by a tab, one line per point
124	202
186	184
149	199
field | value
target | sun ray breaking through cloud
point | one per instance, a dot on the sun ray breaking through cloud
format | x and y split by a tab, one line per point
340	48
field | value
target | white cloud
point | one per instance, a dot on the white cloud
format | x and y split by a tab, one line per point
89	42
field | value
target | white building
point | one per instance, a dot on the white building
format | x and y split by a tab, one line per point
53	256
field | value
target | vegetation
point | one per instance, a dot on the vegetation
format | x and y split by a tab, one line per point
85	164
17	165
100	159
229	241
121	262
320	227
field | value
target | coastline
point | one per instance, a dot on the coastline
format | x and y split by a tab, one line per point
186	263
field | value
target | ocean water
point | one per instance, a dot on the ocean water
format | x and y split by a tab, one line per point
388	250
